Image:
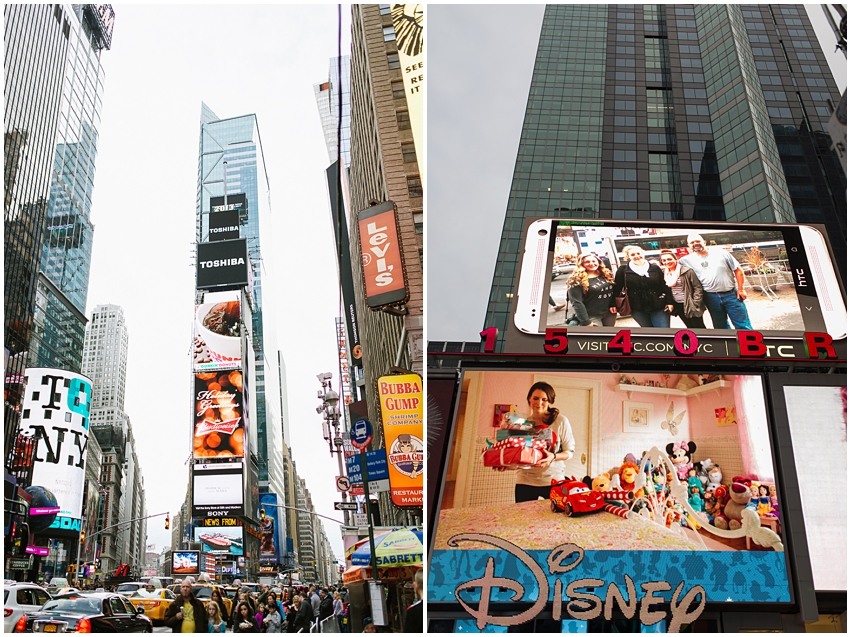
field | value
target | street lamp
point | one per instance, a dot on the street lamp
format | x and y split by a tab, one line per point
330	411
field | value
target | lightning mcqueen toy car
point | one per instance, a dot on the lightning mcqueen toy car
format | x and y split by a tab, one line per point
573	496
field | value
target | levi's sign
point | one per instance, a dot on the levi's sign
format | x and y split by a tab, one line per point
381	256
222	264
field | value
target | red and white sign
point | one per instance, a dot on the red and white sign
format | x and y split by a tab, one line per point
343	484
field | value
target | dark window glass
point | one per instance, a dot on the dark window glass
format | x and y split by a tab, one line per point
766	65
624	155
403	120
805	191
625	38
801	44
694	93
816	81
625	62
393	61
625	75
703	128
409	153
398	89
623	105
624	138
624	90
624	121
624	194
624	214
415	186
774	111
758	38
623	174
687	24
755	26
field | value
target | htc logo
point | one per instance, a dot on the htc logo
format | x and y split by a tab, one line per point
802	279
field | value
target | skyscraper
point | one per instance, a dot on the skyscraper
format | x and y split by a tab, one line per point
384	168
674	112
105	362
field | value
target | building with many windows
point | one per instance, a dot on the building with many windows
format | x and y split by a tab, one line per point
384	168
674	112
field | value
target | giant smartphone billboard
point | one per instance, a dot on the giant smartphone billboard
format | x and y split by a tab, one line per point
56	407
647	488
217	490
659	278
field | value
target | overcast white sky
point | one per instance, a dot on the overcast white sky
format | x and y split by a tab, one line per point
480	60
248	59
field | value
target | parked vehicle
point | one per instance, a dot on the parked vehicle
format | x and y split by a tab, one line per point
86	613
154	603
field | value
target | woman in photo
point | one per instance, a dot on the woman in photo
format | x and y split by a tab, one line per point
685	288
243	619
215	623
589	290
650	299
535	482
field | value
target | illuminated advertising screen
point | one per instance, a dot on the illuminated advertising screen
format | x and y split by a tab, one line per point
381	256
56	407
222	263
401	399
218	430
224	217
217	337
655	280
409	24
220	540
607	489
217	490
818	422
269	529
185	562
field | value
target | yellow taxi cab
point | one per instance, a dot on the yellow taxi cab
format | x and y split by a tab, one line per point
154	603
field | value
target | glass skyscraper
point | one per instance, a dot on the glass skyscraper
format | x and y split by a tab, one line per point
230	150
674	112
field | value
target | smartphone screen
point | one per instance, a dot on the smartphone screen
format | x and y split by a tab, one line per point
768	278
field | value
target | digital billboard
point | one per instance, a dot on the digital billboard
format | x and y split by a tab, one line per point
217	490
818	424
221	540
217	334
56	407
646	488
581	278
409	24
224	217
381	256
269	529
222	264
185	562
401	400
218	430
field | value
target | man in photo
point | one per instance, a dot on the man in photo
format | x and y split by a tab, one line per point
723	284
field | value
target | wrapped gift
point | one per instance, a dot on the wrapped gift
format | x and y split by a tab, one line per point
514	451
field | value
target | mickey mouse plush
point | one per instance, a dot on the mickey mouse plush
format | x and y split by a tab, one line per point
680	454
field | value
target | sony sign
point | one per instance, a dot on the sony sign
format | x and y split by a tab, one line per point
222	264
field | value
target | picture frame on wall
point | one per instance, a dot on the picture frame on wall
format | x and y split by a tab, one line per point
637	417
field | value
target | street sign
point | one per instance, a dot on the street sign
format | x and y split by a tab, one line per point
376	465
361	519
343	484
361	434
346	506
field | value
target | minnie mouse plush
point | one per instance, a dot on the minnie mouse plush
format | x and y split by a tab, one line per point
680	454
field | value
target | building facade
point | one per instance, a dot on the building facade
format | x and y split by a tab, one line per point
663	112
384	168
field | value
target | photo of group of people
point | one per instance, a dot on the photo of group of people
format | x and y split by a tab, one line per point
661	278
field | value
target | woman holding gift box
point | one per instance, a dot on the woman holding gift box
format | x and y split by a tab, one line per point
535	482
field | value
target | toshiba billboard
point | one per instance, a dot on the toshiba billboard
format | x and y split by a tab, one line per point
383	269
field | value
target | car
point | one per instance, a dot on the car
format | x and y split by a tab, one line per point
153	603
86	613
128	588
572	497
20	598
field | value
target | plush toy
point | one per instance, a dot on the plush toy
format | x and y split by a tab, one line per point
764	500
602	482
737	498
701	469
711	506
680	454
628	472
714	475
695	498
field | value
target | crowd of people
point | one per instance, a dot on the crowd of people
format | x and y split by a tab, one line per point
295	610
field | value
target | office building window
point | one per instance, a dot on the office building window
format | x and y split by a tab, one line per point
398	89
393	61
415	186
403	119
389	34
409	153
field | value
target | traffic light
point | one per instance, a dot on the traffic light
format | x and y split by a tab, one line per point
262	514
166	521
82	536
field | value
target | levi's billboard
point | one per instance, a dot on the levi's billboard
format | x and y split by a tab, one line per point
222	263
381	256
401	399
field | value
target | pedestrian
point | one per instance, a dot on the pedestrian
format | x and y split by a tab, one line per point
590	293
314	601
685	288
414	614
215	623
244	621
650	300
272	620
186	614
292	610
259	615
340	611
326	604
723	282
304	615
243	596
368	625
272	600
216	596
